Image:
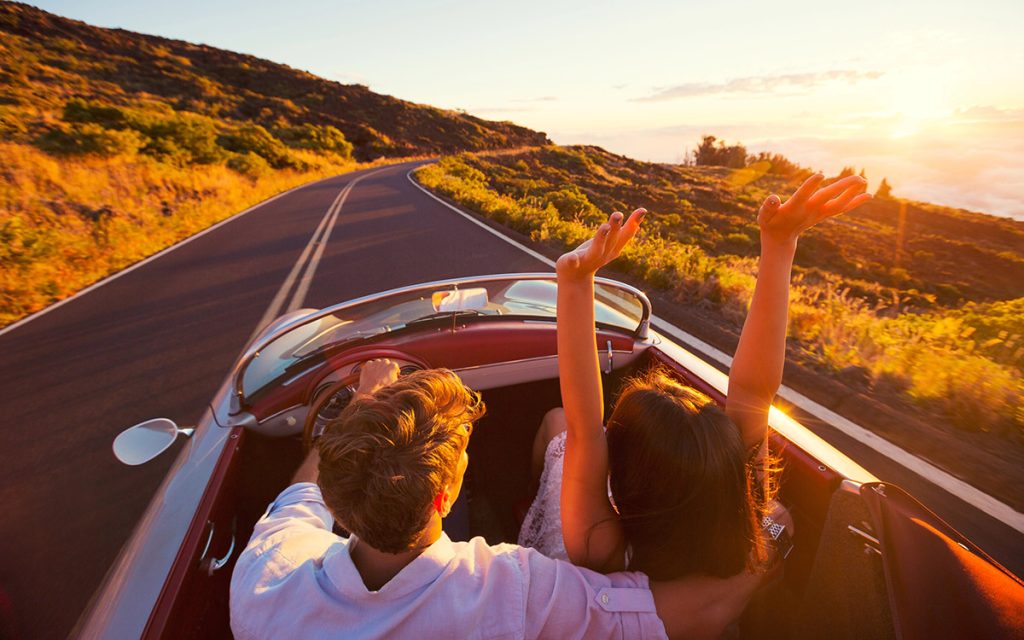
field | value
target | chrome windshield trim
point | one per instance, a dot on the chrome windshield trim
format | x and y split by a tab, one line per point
238	373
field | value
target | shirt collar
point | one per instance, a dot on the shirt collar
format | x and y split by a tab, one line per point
341	572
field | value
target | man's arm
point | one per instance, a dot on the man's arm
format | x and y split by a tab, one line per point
701	606
566	601
309	470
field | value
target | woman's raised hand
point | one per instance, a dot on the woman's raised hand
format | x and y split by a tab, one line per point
782	222
605	246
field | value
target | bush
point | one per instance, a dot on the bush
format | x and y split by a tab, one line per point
737	243
185	138
182	138
255	139
90	139
573	203
87	111
318	138
250	165
457	168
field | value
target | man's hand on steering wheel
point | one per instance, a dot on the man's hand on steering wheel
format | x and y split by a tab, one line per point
375	374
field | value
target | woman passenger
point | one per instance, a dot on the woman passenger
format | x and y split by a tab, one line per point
672	485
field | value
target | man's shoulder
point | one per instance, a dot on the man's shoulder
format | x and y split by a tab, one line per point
478	556
296	546
479	547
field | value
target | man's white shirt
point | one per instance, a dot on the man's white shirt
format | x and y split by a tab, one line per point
296	578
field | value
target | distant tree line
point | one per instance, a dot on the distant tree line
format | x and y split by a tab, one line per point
712	152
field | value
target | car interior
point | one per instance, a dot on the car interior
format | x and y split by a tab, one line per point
834	582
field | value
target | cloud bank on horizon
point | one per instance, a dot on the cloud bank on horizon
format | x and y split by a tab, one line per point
758	84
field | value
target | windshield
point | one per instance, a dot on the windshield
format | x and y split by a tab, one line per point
515	297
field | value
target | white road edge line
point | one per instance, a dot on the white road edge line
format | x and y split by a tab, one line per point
940	478
133	267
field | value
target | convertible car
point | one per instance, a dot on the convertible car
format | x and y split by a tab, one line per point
869	561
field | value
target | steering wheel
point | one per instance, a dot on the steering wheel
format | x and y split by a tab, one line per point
330	402
327	406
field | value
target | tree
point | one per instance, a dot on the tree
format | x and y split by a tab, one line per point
884	190
714	152
779	164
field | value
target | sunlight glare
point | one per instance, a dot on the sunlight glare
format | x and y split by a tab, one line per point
918	102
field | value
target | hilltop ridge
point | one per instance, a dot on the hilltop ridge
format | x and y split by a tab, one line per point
49	59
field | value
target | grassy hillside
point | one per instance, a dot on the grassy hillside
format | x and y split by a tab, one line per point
114	145
915	303
48	60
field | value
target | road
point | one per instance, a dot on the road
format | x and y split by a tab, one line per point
158	341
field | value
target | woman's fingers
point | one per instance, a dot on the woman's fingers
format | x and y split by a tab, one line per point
825	194
857	201
629	229
600	241
768	209
806	189
615	222
838	204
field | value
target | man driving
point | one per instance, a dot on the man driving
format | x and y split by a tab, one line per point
388	469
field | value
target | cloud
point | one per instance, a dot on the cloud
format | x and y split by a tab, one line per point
758	84
980	114
540	99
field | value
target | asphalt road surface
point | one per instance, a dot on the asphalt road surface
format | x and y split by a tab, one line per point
158	341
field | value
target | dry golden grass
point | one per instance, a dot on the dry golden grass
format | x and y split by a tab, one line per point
68	222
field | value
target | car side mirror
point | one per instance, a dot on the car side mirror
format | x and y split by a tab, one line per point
146	440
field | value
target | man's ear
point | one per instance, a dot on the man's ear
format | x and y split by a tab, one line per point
443	502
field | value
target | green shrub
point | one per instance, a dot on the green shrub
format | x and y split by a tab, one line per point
186	138
250	165
737	243
90	138
318	138
255	139
457	168
88	111
574	204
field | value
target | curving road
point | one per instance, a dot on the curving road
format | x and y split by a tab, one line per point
158	341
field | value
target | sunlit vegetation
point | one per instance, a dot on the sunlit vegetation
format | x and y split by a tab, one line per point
67	222
922	302
115	145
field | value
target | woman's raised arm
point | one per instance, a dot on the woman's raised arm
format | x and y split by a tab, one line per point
756	371
591	531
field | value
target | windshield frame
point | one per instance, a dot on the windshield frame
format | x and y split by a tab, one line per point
238	373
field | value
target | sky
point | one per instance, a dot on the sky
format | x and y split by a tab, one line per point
929	94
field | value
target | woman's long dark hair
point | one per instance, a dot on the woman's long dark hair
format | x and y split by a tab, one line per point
689	498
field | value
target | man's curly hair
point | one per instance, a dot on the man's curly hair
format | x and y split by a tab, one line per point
386	457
